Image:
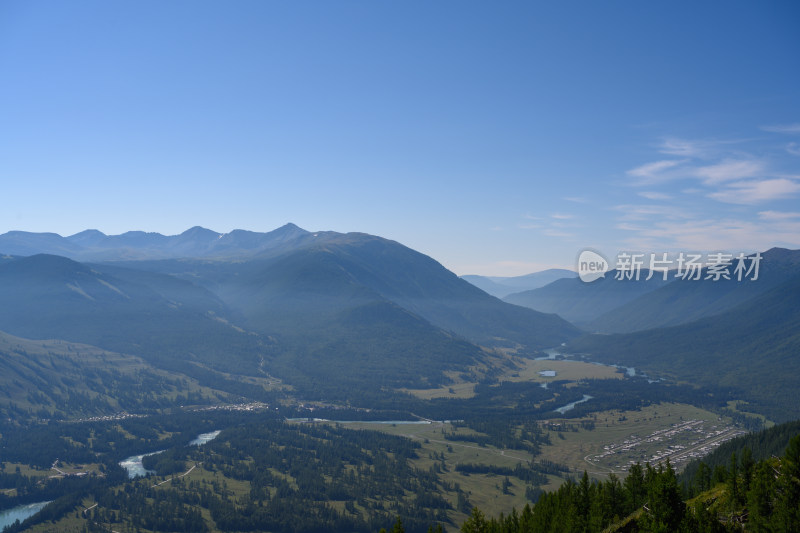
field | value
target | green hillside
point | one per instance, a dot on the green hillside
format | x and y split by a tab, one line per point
57	379
753	349
175	326
336	271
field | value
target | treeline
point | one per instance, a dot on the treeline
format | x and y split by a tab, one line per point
529	475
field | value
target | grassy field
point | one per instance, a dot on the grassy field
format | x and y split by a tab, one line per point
564	370
459	388
519	369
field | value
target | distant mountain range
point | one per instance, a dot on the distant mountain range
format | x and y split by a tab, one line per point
608	305
503	286
328	312
93	245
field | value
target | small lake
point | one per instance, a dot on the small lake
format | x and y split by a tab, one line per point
135	468
21	512
572	405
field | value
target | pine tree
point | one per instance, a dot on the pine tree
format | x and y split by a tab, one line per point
760	496
398	526
634	488
665	507
747	469
703	477
476	523
786	517
733	483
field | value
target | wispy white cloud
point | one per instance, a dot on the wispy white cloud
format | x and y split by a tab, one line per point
783	128
714	174
654	172
729	170
653	195
757	191
562	216
778	215
704	196
730	234
683	147
634	212
695	148
627	226
550	232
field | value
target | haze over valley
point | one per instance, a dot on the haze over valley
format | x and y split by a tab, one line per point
202	332
424	267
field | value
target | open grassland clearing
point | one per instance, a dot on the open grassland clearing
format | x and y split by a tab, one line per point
517	369
541	371
460	387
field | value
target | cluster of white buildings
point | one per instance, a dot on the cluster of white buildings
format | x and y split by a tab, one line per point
680	443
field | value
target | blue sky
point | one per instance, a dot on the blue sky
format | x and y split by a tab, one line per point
498	137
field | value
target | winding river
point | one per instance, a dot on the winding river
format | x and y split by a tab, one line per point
135	468
20	512
571	405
